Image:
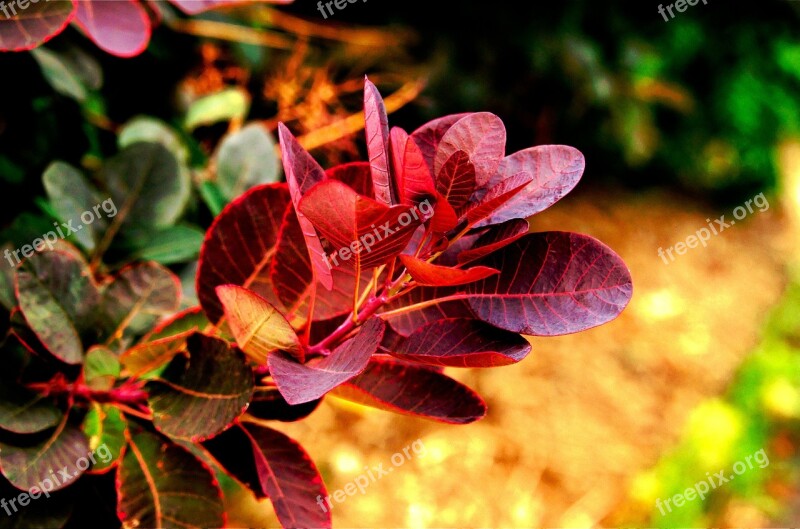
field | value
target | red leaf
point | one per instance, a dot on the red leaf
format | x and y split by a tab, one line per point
428	136
376	127
407	322
431	275
240	246
482	136
302	173
462	343
555	170
288	477
291	272
412	390
412	174
456	181
550	284
35	25
356	175
348	221
121	28
299	383
497	196
444	217
496	237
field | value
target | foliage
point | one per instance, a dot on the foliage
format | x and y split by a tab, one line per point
435	269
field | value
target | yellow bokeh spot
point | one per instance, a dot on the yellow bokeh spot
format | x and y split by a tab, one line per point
661	305
347	461
781	398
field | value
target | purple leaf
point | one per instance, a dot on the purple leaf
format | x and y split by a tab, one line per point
555	170
120	27
428	136
482	136
550	284
299	383
461	342
412	390
376	127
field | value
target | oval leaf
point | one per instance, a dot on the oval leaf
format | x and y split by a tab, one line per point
121	27
35	25
259	328
300	383
161	484
199	397
412	390
461	342
431	275
25	412
376	128
246	159
54	459
550	284
482	136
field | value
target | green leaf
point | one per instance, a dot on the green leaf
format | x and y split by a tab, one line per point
56	459
59	74
138	297
199	397
175	244
246	159
58	298
212	196
147	185
105	427
25	412
8	297
227	105
152	130
101	368
161	484
71	195
190	319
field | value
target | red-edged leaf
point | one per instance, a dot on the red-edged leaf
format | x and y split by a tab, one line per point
407	322
461	342
145	359
412	390
411	171
201	396
299	383
259	328
350	223
376	127
35	25
59	300
456	181
356	175
28	465
494	238
192	7
555	170
431	275
240	246
121	28
429	135
302	173
497	196
161	484
550	284
192	318
276	467
482	136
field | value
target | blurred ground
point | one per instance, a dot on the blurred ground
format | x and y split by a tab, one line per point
570	427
